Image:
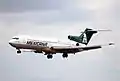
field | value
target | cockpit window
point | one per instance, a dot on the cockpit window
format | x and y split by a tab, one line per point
15	38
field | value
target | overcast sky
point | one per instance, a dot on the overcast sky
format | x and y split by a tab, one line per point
58	19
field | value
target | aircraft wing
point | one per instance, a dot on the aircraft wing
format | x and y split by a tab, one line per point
74	49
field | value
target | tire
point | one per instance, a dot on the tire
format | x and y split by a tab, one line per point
49	56
65	55
18	52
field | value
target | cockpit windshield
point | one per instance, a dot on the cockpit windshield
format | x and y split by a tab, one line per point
15	38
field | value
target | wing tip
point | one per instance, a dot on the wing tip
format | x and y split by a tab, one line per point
111	43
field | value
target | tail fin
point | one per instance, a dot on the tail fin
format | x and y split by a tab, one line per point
86	35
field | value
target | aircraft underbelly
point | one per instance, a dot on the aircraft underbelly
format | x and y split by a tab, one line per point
24	46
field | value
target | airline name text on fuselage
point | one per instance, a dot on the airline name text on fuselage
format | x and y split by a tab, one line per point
37	43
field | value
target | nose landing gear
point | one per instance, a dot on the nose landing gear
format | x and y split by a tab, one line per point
18	51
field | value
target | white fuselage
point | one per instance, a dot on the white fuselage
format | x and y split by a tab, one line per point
25	42
49	47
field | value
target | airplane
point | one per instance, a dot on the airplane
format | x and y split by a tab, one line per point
48	47
85	37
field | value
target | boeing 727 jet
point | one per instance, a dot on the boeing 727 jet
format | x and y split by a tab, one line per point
48	47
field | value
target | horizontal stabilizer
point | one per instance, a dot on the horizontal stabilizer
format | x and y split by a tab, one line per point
108	44
99	30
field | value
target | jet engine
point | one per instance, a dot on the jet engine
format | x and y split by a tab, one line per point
70	37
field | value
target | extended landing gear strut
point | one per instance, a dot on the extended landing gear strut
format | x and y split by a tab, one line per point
18	51
49	56
65	55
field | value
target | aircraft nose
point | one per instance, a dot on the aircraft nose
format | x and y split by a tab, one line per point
11	42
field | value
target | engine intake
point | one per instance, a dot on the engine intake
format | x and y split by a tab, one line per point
70	37
77	44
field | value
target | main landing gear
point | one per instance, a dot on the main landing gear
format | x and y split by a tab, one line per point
49	56
65	55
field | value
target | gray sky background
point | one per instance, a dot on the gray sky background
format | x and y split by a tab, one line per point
59	18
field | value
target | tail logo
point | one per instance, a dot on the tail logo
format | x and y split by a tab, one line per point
84	38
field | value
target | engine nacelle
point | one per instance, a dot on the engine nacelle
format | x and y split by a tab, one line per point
77	44
70	37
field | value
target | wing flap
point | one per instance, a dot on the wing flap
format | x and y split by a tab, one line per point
91	47
76	47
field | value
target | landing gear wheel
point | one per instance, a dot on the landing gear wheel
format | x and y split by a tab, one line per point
49	56
65	55
77	44
18	51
